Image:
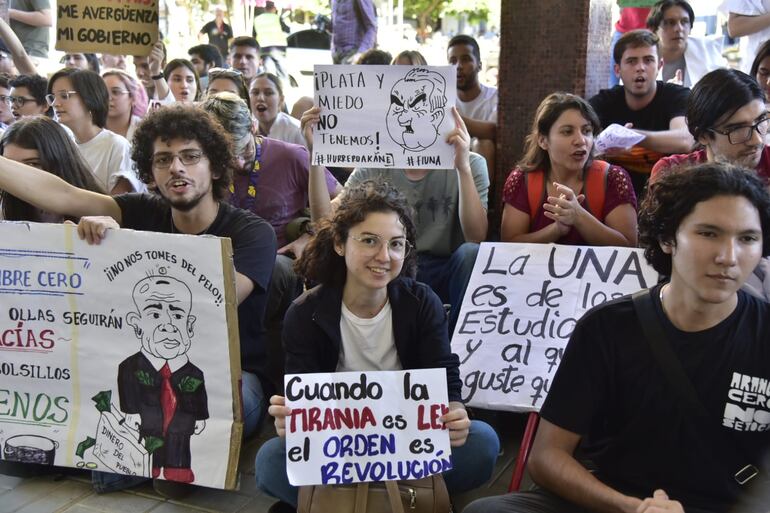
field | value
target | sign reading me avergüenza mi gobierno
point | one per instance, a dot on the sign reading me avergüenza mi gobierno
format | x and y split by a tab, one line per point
106	26
119	357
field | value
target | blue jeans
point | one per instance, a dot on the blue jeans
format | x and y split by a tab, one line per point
449	276
254	408
473	464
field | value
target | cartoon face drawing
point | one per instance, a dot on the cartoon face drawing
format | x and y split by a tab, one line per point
416	109
162	320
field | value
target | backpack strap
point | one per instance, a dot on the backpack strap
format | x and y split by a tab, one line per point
535	183
596	187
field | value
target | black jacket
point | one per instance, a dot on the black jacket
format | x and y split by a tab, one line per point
312	339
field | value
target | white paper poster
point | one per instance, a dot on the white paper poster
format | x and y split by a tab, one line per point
520	308
352	427
118	357
384	116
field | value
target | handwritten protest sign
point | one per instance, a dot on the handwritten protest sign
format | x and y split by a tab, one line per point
520	308
119	357
352	427
384	116
105	26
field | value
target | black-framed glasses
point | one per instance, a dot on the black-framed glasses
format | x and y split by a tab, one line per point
186	157
742	134
17	101
62	95
371	245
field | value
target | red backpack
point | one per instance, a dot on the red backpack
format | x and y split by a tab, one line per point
594	188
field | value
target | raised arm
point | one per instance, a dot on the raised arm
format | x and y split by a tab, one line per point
21	60
52	194
473	215
318	191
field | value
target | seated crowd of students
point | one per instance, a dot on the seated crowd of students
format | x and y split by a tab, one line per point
190	146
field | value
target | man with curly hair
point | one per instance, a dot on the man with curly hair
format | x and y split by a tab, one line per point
187	158
688	431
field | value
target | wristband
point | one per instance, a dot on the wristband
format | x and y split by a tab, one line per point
158	76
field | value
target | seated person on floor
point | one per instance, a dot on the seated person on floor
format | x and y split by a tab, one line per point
654	446
368	313
271	180
558	192
651	108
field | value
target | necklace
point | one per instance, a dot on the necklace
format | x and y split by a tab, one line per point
660	295
251	192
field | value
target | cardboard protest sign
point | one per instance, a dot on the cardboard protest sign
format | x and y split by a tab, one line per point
105	26
121	357
352	427
384	116
520	308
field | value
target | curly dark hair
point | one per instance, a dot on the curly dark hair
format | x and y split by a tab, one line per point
674	196
321	263
188	123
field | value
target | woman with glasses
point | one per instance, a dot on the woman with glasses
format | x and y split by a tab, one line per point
27	96
558	192
267	105
366	314
231	80
80	100
128	102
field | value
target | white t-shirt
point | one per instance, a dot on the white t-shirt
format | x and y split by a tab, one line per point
109	157
286	128
367	344
483	107
749	44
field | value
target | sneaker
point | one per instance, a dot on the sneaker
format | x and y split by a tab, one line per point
173	490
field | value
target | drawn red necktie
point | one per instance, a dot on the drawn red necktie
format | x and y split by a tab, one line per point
167	397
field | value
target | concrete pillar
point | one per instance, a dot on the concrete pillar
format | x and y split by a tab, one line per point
545	46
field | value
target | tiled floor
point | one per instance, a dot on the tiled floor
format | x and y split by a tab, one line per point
72	493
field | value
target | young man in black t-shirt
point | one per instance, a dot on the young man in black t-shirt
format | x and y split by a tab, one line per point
187	157
706	228
654	109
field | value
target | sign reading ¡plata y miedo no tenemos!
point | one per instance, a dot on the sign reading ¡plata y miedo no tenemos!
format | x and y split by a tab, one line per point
385	116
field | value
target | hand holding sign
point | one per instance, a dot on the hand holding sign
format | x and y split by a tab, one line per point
308	122
457	422
461	140
279	411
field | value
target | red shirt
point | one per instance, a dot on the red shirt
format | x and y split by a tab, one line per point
699	157
632	18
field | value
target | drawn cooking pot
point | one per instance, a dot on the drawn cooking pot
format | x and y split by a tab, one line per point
30	449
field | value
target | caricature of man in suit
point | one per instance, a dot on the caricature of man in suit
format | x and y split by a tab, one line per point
162	394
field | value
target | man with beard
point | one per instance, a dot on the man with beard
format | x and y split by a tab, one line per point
727	116
653	109
476	102
187	157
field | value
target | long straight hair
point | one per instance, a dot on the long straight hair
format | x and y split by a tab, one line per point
58	155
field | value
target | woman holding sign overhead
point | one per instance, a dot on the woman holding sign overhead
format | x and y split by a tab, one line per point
558	193
368	314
